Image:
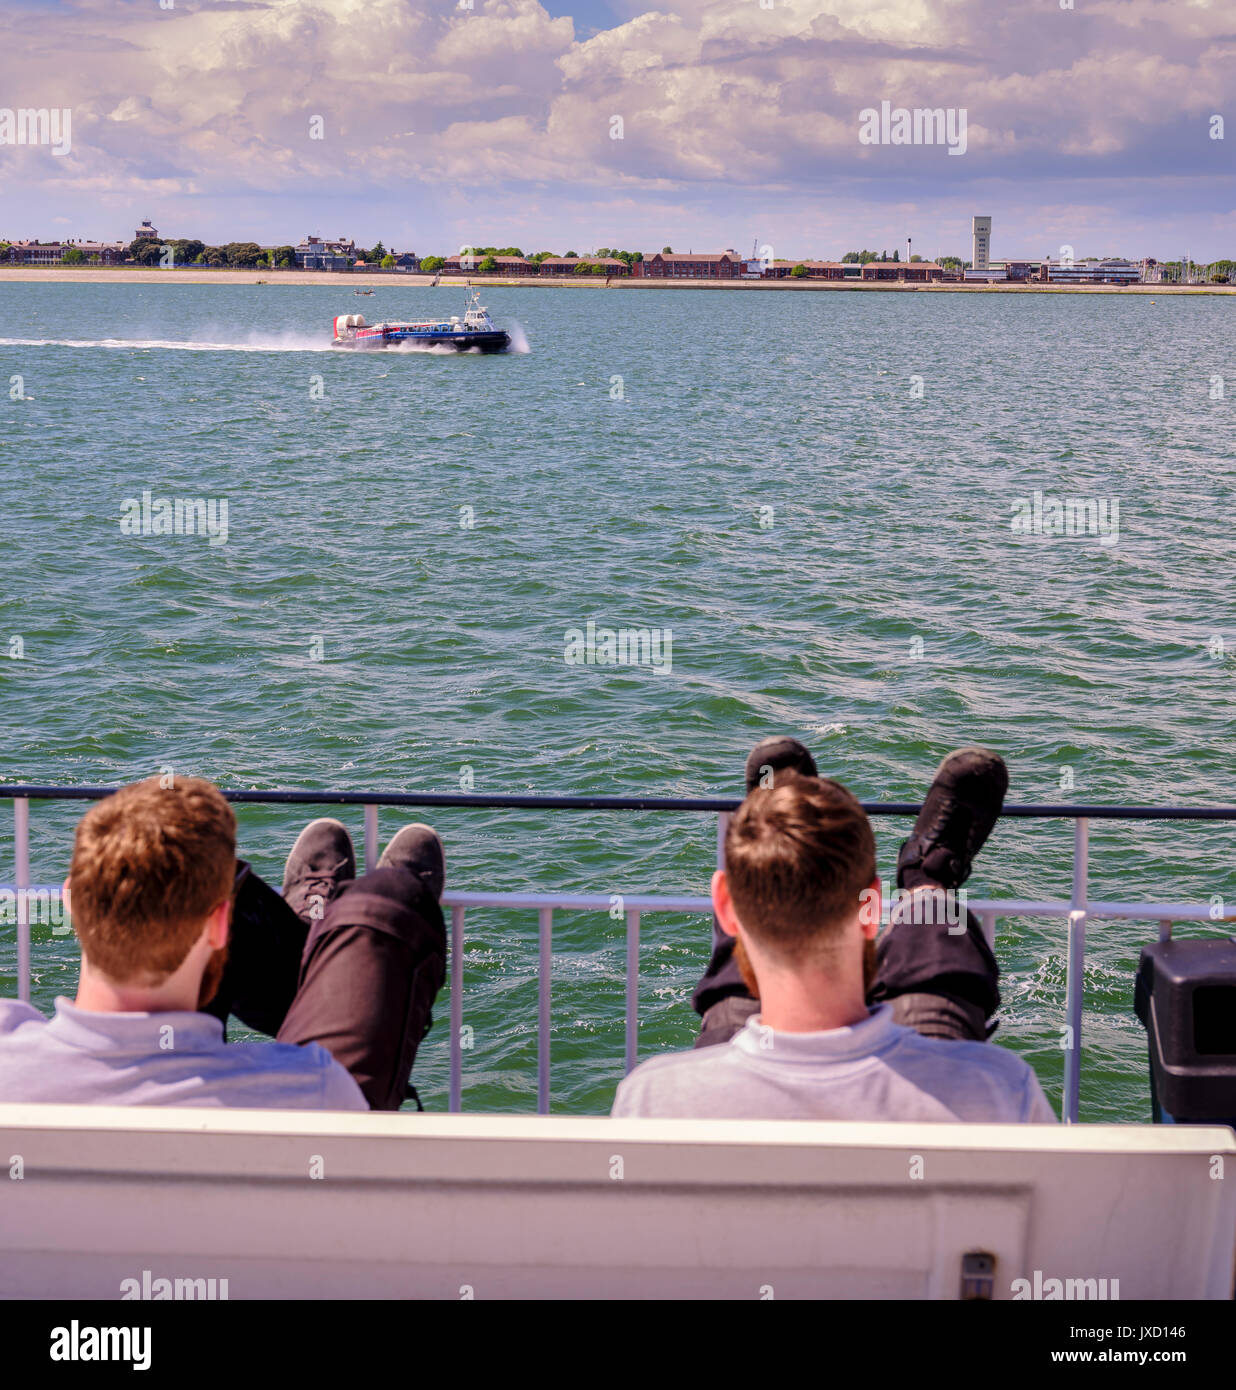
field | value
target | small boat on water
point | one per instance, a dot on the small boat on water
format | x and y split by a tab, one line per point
362	291
475	331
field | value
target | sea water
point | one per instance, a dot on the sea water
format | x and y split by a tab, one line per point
814	497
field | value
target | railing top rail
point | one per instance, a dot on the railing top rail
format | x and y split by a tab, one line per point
323	796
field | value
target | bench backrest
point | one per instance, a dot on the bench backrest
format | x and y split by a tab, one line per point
296	1204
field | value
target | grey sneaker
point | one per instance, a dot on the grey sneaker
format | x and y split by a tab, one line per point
321	862
418	849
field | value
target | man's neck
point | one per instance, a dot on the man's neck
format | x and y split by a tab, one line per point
809	1003
98	995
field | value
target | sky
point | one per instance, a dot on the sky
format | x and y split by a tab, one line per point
699	124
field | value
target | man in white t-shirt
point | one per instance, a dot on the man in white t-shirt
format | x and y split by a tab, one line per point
800	896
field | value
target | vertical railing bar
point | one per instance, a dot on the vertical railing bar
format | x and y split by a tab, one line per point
988	920
545	916
371	837
632	987
723	824
457	936
1076	969
21	881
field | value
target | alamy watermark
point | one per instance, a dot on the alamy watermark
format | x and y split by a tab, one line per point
1068	518
41	907
175	516
922	125
28	125
1053	1289
625	646
925	906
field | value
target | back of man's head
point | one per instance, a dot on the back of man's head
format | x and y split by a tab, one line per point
150	863
798	857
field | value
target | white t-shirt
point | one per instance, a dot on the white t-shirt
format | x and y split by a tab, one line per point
873	1070
82	1057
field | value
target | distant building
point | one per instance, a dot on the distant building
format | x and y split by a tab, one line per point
315	254
52	252
909	271
568	265
816	270
471	265
1110	270
146	232
980	239
405	260
694	265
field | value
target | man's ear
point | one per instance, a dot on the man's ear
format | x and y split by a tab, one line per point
218	925
869	910
723	904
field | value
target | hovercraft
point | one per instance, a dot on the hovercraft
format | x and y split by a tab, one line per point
475	331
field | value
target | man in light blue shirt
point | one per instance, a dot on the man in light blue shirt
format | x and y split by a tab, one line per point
342	970
800	895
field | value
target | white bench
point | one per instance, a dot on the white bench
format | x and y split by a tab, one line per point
304	1205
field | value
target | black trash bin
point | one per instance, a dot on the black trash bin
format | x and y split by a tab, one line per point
1186	998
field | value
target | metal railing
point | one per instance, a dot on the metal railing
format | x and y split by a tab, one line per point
1077	910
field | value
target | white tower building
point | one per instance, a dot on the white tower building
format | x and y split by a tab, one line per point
980	251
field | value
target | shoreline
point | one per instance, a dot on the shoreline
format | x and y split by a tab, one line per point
95	275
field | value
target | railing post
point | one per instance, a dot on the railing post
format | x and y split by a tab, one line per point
457	935
723	824
1076	969
545	917
1073	1012
632	987
371	837
21	877
988	920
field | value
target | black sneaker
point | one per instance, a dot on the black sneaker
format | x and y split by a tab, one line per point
962	805
776	753
321	862
418	850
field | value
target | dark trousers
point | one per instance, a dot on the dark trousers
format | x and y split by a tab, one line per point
940	981
361	981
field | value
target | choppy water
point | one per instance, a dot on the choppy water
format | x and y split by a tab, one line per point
753	471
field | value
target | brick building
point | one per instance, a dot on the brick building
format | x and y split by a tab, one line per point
693	265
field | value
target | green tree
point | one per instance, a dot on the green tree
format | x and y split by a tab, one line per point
432	264
570	255
509	251
896	255
950	263
388	261
73	256
488	266
284	257
667	250
583	268
799	271
242	253
599	269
